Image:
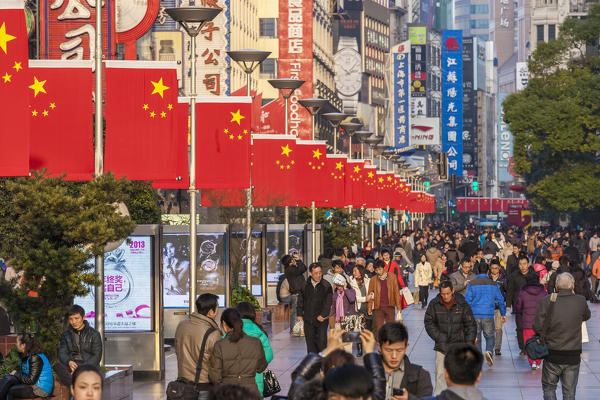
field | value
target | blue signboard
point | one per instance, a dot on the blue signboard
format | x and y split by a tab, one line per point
401	93
452	96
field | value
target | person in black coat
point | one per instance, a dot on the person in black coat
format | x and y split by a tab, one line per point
512	262
314	306
80	344
294	269
514	283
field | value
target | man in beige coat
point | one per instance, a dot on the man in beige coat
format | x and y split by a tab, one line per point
189	335
384	297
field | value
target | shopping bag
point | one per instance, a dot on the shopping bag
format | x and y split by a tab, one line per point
408	297
298	329
584	333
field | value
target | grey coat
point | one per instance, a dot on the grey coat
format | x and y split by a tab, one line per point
459	281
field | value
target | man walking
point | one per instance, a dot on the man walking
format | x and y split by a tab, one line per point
189	336
448	320
384	296
314	306
294	270
463	276
513	287
483	295
498	276
563	314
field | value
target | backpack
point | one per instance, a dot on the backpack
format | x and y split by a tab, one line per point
282	278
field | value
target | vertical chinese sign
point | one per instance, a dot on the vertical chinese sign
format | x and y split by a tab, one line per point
401	92
452	96
418	70
296	59
212	44
470	132
68	29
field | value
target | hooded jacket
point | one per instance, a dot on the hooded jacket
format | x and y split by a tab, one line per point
251	329
527	302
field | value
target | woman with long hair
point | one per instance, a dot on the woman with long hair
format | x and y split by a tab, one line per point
359	281
254	329
34	376
238	357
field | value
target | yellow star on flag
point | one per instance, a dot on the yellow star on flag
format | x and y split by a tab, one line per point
285	150
53	105
17	67
357	169
37	86
152	114
5	37
317	154
34	113
370	175
389	178
245	131
7	77
163	114
240	137
231	136
145	107
159	87
380	180
170	107
226	130
45	113
339	165
236	117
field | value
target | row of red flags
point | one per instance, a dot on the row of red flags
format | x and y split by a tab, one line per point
483	204
46	121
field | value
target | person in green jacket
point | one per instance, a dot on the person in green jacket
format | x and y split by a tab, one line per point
254	329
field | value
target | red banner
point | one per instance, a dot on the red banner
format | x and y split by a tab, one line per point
14	78
333	182
296	59
274	170
310	161
61	118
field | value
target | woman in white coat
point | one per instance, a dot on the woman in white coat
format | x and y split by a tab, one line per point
423	278
359	281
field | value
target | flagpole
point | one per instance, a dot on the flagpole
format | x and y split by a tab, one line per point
249	210
314	232
98	171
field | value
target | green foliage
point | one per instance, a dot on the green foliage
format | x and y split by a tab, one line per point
11	362
49	229
240	294
142	204
337	230
556	118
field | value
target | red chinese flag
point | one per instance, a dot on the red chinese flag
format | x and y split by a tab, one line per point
223	197
370	186
496	204
14	113
274	170
61	118
333	182
181	178
146	129
484	204
272	118
223	135
310	162
355	175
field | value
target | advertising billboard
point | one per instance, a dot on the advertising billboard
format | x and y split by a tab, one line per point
127	287
469	107
275	248
452	96
425	131
505	144
237	254
401	81
210	273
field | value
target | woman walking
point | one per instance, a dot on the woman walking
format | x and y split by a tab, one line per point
360	283
254	329
527	301
423	278
238	357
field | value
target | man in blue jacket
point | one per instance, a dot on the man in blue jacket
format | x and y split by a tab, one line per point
482	295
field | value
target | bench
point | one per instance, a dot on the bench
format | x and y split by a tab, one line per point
281	312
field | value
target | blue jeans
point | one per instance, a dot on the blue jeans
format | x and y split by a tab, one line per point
293	310
568	376
486	325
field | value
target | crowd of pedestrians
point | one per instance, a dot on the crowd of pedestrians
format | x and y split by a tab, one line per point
355	295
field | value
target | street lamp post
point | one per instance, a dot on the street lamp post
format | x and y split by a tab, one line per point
335	119
193	19
286	88
248	60
362	135
373	141
314	107
350	128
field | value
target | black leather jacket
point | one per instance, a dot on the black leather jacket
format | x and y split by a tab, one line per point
90	346
35	370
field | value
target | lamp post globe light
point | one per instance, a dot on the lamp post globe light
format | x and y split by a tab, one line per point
248	60
314	107
350	128
335	119
362	135
379	149
373	141
193	19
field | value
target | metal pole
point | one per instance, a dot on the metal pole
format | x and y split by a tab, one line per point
249	213
313	228
287	99
362	225
349	147
192	294
313	126
99	170
372	230
286	229
387	209
335	133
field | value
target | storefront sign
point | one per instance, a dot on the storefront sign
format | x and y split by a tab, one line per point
452	96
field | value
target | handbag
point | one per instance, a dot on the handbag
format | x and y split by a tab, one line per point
270	384
408	297
536	347
182	389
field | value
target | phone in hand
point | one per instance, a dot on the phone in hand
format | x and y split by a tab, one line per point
351	337
397	392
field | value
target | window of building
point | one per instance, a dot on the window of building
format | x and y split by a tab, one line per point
480	24
269	67
540	33
551	32
268	27
480	9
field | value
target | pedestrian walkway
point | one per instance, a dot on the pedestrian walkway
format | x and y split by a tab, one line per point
509	378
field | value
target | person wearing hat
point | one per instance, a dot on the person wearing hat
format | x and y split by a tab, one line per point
343	302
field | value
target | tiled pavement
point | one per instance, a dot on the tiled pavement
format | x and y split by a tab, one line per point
509	378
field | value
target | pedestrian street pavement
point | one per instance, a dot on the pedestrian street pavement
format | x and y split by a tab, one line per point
509	378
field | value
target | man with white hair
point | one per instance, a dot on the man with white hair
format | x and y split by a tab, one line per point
558	319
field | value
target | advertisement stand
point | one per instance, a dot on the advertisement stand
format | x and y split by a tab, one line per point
211	269
237	257
133	304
